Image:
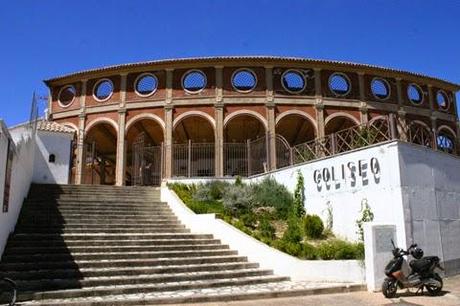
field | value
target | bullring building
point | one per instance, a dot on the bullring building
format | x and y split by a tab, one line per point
141	123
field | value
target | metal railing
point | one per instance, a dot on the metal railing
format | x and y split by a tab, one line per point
193	160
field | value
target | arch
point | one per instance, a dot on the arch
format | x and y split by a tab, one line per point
194	113
140	117
420	133
246	112
414	122
341	114
297	112
380	117
70	125
448	128
102	120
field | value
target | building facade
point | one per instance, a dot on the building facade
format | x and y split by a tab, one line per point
225	116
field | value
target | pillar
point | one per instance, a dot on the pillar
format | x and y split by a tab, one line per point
270	107
363	113
430	96
121	149
319	106
270	112
81	136
402	124
80	150
168	141
219	142
434	131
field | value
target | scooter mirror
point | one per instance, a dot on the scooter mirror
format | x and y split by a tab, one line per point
393	243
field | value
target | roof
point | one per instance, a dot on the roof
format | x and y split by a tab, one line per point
50	126
256	59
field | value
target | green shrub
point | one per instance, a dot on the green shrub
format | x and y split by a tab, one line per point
269	193
340	249
313	226
211	191
299	196
291	248
238	181
293	232
237	199
248	219
183	191
266	229
308	252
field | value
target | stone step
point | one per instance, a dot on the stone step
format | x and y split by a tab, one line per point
113	230
82	202
63	188
147	288
117	263
117	248
95	213
116	242
65	237
96	219
90	207
40	258
144	226
218	295
99	272
153	222
57	284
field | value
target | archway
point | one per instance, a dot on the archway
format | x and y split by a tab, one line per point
144	155
339	122
292	129
100	153
445	140
193	151
245	145
420	133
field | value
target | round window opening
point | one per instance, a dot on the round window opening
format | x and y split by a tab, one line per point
339	84
67	95
445	143
293	81
442	100
414	93
194	81
380	88
103	90
146	85
244	80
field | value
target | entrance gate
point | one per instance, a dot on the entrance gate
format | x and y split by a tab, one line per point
147	163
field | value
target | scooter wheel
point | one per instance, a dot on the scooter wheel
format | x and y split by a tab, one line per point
435	290
389	288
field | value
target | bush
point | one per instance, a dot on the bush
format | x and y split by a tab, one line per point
291	248
340	249
266	229
248	219
308	252
293	232
270	193
183	191
237	198
313	226
211	191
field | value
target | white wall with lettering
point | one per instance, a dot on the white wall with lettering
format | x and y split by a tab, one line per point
345	181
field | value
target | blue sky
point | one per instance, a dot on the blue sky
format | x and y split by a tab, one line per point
43	39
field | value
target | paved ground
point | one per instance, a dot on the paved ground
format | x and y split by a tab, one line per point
450	297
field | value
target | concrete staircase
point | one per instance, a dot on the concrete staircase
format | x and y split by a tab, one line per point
95	245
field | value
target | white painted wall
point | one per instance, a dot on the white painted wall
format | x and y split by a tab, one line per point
431	195
20	180
268	258
345	193
58	144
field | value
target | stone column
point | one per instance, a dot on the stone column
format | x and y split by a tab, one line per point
270	111
121	149
319	106
402	124
80	149
363	113
80	166
168	141
123	90
434	131
430	96
219	142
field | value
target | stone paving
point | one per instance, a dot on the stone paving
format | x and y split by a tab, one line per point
287	288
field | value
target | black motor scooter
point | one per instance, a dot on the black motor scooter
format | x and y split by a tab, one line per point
8	291
422	273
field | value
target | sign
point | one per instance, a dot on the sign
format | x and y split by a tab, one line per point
352	173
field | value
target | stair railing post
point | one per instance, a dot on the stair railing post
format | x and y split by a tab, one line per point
189	158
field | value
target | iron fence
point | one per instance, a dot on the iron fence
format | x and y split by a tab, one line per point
193	160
